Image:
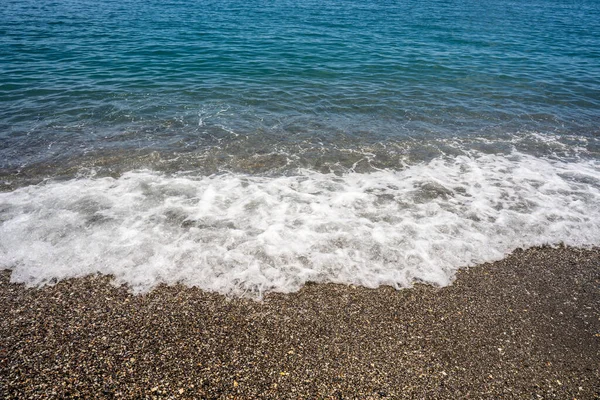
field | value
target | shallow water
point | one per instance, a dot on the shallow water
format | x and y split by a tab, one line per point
254	146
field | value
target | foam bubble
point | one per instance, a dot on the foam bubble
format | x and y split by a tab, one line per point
240	234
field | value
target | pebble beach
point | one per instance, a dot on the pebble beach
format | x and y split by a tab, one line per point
527	326
300	199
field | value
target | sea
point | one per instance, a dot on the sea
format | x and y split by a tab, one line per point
248	147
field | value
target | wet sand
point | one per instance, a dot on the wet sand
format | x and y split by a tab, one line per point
524	327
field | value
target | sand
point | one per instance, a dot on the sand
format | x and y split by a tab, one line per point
524	327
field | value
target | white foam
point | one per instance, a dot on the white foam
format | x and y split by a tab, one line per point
241	234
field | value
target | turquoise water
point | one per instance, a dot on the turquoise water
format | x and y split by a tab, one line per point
197	101
86	78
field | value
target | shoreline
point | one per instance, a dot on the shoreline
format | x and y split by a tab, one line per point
525	326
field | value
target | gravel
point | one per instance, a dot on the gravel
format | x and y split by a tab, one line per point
524	327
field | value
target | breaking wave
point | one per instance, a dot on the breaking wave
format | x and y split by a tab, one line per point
246	235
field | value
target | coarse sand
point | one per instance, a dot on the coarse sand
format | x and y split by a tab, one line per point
525	327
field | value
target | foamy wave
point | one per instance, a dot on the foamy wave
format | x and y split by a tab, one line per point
239	234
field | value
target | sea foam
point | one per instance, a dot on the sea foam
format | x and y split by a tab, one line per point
247	235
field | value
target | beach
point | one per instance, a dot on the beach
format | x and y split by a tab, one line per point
314	199
527	326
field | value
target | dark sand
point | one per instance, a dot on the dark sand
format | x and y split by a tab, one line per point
526	327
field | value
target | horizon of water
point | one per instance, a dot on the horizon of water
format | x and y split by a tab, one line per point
248	147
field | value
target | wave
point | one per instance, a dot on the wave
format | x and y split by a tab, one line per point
243	234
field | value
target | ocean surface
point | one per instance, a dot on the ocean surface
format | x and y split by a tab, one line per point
253	146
